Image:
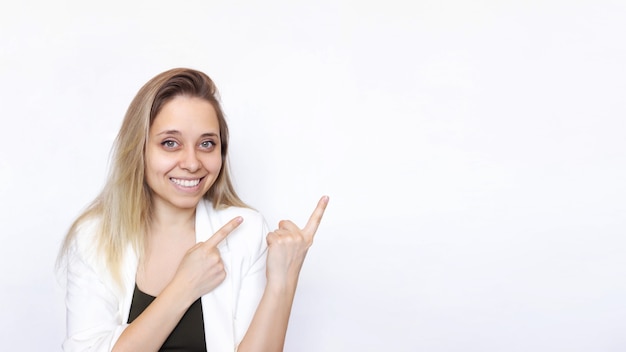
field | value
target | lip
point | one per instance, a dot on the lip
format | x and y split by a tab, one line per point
183	180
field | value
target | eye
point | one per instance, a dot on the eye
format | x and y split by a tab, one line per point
169	144
207	144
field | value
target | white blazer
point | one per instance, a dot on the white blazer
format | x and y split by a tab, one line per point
97	310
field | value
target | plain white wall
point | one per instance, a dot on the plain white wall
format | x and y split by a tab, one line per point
474	153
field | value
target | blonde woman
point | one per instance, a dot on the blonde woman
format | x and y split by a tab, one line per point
167	257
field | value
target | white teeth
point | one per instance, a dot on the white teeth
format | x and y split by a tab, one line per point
186	183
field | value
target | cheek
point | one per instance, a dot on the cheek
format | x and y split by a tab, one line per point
213	163
158	164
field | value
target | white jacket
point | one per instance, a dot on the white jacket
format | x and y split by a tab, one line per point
97	311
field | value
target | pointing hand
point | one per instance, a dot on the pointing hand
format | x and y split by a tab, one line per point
288	245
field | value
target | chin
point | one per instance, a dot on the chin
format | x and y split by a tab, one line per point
187	203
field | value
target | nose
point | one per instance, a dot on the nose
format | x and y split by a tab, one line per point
189	160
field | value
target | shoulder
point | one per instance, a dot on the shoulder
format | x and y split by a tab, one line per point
248	236
83	259
250	216
86	258
220	216
84	234
253	227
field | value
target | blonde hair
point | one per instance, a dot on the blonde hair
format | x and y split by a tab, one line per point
124	207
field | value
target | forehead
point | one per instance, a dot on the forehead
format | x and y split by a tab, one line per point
191	115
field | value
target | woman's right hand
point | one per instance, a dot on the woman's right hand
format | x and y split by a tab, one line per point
202	269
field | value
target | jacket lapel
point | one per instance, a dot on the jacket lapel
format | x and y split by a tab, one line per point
217	305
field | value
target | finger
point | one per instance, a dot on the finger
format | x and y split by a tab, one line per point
271	238
280	236
287	225
222	233
316	217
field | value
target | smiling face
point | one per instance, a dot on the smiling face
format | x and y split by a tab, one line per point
183	155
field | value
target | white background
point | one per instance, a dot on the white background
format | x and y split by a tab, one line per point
474	152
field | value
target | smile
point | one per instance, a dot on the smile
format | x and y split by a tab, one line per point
186	183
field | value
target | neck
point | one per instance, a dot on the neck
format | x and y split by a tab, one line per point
168	216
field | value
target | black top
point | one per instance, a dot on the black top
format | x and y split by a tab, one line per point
188	335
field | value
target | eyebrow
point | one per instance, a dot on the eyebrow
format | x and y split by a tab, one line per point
177	133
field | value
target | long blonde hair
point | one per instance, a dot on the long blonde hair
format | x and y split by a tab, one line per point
124	207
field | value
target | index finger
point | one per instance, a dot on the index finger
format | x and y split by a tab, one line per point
316	217
222	233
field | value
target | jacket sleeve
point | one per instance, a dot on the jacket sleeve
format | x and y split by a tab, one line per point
92	316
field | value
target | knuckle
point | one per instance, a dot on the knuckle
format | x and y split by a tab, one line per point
214	258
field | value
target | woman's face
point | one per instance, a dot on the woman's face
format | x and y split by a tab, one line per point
183	155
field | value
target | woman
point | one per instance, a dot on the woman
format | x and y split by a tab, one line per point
168	257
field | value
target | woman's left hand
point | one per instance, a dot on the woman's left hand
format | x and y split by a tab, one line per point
288	245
